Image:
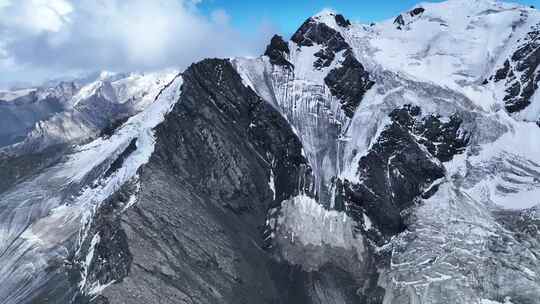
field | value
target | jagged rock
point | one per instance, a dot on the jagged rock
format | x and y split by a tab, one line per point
274	185
341	21
523	62
107	246
194	233
277	51
399	21
406	19
349	83
312	33
401	166
502	73
394	173
417	11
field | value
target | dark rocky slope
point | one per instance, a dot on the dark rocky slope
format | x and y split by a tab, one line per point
349	83
313	32
195	233
277	51
401	167
520	72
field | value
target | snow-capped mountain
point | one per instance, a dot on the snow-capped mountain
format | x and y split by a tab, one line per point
394	163
68	112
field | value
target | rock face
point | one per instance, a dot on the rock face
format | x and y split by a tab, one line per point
519	72
404	19
349	83
341	21
401	168
312	33
398	170
62	242
351	164
409	156
417	11
104	256
277	51
399	21
195	232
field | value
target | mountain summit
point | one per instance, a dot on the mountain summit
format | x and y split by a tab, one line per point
394	163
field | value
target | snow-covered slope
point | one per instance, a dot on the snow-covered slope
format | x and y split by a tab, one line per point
454	43
434	90
393	163
438	60
42	215
69	112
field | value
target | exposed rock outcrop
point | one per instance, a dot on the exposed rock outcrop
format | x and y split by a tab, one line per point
277	51
520	72
349	83
195	232
313	32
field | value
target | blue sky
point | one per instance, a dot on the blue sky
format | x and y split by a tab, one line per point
287	16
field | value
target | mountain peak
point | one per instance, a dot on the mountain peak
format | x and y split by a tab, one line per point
351	164
325	12
331	18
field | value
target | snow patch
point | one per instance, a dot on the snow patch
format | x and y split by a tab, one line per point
272	184
367	222
304	220
88	261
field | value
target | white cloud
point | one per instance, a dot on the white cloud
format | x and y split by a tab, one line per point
75	35
36	16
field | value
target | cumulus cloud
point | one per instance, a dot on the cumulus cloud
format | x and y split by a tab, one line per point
48	36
